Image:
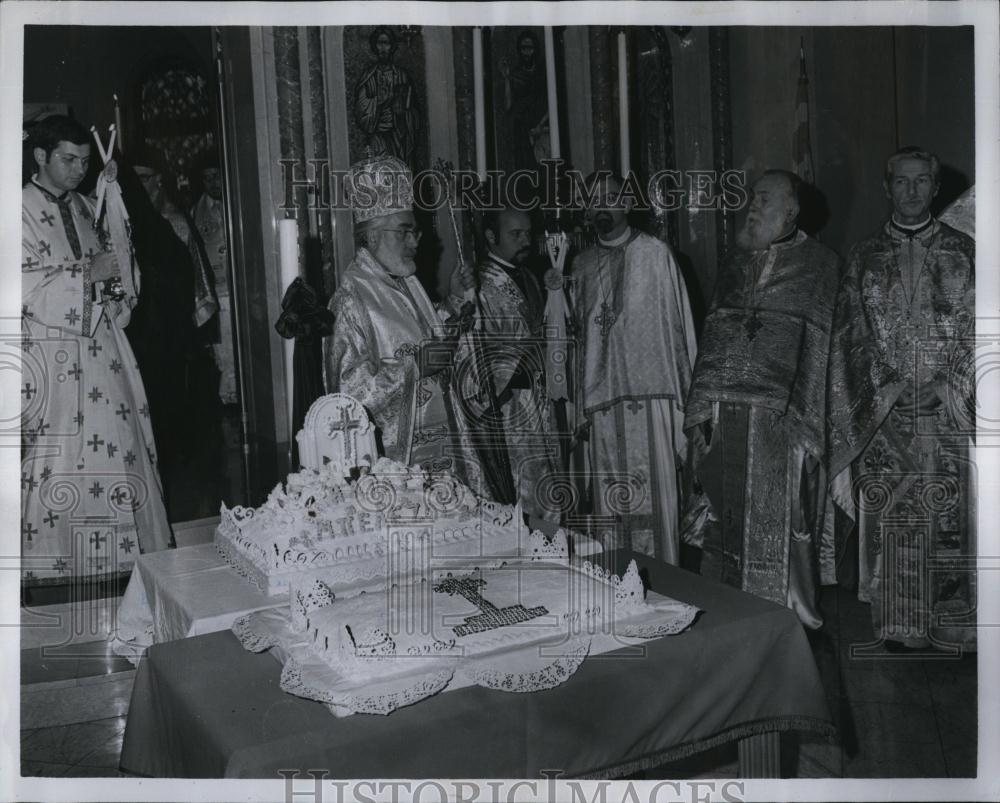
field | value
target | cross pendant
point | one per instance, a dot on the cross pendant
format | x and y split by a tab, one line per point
605	320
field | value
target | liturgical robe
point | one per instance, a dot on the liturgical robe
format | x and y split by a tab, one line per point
91	498
760	383
380	322
512	307
637	344
905	321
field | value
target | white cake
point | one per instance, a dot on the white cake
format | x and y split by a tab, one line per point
433	623
351	534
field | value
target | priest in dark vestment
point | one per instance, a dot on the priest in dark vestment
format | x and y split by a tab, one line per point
901	421
758	398
636	339
512	306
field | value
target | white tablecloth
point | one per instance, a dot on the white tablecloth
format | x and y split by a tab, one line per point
179	593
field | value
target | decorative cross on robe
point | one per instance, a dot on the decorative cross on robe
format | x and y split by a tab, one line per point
491	617
606	319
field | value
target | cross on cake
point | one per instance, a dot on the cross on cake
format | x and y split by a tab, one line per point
435	622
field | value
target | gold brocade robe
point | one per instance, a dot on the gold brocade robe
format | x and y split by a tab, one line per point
380	322
760	382
905	321
514	346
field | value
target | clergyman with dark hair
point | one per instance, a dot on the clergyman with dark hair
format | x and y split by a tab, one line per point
512	306
88	453
901	391
758	404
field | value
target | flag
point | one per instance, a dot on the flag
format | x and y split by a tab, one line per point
802	155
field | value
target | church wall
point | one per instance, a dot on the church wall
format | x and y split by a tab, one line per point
84	66
871	90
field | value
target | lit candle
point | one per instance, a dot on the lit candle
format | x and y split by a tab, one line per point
550	80
118	126
623	135
480	101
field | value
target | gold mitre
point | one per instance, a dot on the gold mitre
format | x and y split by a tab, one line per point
378	187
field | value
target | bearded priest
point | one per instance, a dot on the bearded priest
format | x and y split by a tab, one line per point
758	403
637	345
393	349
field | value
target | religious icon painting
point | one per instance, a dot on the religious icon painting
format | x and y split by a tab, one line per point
386	84
520	98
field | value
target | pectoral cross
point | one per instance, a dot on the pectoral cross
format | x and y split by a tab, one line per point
606	319
491	617
752	325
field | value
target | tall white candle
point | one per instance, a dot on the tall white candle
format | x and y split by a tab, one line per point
288	262
550	81
623	135
480	101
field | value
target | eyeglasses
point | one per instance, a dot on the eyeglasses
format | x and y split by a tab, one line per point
404	233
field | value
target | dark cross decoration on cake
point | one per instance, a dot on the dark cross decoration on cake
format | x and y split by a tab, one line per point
344	426
606	319
491	617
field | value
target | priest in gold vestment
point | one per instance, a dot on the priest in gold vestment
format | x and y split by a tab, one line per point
512	308
637	346
758	399
391	348
902	375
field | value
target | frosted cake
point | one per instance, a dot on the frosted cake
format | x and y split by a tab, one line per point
351	533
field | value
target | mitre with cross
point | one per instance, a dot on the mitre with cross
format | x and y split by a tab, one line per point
337	430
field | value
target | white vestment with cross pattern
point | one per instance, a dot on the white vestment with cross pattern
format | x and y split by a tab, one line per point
91	498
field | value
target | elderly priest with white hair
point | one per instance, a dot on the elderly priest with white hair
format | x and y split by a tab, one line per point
391	347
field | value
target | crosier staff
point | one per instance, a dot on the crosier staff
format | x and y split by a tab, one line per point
493	449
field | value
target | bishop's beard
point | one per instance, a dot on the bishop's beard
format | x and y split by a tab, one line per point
395	264
758	233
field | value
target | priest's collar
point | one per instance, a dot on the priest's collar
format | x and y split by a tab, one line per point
621	239
48	193
911	230
503	263
787	238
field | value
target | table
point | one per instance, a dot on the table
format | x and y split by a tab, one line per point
204	707
179	593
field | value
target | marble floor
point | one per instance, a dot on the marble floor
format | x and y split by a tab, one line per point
898	716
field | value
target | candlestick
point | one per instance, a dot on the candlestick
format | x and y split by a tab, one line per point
480	101
623	133
550	81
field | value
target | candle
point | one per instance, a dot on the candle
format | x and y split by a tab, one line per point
118	126
288	251
623	135
288	242
550	80
480	101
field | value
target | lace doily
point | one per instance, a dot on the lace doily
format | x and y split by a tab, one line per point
549	676
299	679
